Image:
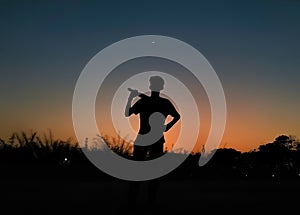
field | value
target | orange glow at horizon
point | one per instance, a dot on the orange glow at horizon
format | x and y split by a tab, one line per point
247	127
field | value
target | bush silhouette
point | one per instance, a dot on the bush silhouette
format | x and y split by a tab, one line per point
278	159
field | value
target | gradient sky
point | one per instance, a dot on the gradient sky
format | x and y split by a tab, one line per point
252	45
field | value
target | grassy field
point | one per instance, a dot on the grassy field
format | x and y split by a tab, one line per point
109	196
36	178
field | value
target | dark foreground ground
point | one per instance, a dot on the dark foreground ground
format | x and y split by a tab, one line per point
81	194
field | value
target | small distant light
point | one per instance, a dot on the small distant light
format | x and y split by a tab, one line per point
66	159
153	42
246	175
273	175
299	174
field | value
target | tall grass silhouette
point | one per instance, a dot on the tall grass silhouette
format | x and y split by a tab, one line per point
278	159
24	146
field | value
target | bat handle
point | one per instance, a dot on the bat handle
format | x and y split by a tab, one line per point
139	93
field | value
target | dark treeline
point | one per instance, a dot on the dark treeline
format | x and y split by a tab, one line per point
31	156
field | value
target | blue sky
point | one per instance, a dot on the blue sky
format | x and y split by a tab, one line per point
252	45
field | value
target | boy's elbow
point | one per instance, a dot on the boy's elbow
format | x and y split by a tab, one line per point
128	113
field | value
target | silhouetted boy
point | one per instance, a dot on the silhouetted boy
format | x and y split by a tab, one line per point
149	144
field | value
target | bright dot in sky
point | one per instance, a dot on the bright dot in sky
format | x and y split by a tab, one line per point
273	176
66	159
153	42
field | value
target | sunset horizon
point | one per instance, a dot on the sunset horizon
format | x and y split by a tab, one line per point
254	56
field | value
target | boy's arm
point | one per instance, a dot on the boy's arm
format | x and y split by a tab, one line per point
133	93
176	117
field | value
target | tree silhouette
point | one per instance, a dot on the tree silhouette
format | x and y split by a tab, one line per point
280	155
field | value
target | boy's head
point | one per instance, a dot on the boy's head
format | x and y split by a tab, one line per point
156	83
